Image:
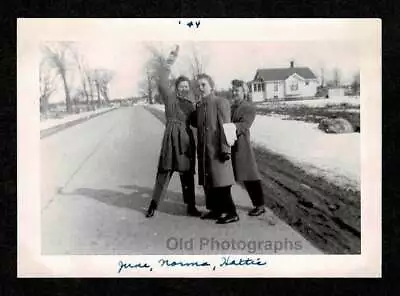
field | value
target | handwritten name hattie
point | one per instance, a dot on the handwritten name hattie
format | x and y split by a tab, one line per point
167	263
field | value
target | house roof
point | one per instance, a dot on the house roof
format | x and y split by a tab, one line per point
283	73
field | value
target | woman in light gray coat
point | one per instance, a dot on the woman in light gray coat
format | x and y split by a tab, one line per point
213	151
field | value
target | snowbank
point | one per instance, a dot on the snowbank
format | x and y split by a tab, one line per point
157	106
336	157
52	122
354	101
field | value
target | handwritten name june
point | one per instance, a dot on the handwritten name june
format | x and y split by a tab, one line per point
123	266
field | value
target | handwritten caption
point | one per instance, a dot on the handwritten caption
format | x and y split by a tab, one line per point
226	261
191	24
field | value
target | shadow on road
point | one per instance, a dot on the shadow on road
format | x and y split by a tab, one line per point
174	199
138	199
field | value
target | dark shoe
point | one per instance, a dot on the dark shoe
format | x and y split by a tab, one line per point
192	211
229	218
257	211
151	210
211	216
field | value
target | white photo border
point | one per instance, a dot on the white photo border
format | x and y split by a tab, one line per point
366	32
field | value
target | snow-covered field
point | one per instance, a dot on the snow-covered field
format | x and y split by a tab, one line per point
354	101
52	122
336	157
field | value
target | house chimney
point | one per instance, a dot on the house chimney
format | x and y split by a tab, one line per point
291	64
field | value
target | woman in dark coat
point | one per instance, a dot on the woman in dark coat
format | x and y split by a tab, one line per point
215	167
178	149
243	159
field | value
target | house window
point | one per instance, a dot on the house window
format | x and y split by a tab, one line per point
259	87
294	85
263	87
306	82
276	85
255	87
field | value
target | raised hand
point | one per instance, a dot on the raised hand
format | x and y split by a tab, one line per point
172	56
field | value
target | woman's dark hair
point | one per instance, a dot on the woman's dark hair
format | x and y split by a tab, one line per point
244	86
180	79
237	83
208	78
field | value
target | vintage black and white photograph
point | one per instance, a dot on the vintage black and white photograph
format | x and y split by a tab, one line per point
195	146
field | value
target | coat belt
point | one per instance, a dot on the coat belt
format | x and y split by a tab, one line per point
180	139
175	121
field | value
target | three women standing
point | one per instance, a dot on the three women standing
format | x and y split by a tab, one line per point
219	164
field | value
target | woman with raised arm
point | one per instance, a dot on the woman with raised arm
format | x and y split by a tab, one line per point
178	149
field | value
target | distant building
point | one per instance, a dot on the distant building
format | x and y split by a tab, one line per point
281	83
334	92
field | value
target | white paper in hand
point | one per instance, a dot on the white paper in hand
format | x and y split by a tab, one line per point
230	133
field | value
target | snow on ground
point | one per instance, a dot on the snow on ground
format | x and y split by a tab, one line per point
158	106
52	122
355	101
336	157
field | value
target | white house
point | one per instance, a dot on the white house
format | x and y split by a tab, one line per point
281	83
336	92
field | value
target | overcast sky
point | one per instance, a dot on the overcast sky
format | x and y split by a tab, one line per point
224	61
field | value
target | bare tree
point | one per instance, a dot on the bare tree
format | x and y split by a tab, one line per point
197	61
47	85
57	55
97	83
84	75
90	74
322	76
101	79
336	77
148	86
356	84
106	77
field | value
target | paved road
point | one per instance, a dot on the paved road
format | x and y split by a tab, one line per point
96	182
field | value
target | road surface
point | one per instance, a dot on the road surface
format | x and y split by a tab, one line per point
96	183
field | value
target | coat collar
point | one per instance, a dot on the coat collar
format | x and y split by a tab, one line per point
206	99
235	107
185	99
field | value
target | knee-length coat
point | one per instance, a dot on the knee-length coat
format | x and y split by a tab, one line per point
211	113
178	148
243	158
